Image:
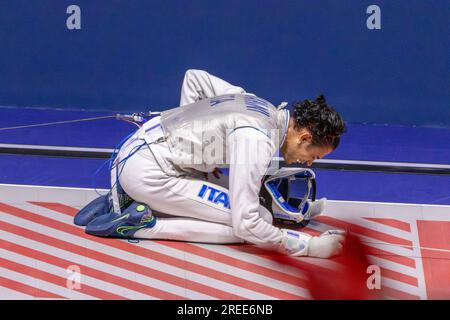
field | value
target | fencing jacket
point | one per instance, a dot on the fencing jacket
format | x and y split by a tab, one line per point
220	125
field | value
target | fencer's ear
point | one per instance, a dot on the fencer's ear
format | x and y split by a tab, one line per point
304	136
309	137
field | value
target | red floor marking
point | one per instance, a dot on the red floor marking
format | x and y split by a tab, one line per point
99	256
397	294
436	264
59	207
184	283
59	281
196	250
91	272
29	290
365	231
248	266
346	282
392	223
391	274
296	262
263	271
280	294
311	232
409	262
225	259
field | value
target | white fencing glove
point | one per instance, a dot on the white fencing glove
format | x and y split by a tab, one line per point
294	243
328	244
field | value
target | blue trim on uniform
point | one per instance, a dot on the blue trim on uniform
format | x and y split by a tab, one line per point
130	142
251	128
153	127
259	110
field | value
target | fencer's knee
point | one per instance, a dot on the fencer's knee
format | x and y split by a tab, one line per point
239	230
265	215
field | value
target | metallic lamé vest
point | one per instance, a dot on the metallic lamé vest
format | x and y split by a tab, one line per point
197	133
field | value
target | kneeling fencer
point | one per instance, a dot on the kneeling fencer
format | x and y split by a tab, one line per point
160	183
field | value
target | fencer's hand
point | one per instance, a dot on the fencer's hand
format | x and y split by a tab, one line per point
216	173
327	245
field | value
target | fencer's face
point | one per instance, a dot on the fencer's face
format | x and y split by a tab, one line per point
298	147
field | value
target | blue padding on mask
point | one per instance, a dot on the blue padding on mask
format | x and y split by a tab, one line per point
274	190
276	187
304	174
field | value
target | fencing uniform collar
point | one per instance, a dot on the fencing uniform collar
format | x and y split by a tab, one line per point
283	123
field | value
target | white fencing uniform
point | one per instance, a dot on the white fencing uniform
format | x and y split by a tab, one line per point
251	131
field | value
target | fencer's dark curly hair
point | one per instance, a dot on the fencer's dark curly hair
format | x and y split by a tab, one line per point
323	122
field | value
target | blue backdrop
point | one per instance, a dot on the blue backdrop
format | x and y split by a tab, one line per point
132	54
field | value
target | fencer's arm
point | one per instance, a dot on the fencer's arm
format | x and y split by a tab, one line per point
199	84
250	153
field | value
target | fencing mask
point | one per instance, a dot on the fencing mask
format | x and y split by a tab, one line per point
285	194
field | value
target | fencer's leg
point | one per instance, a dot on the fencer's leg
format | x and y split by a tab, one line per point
191	230
201	209
182	196
186	216
138	221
